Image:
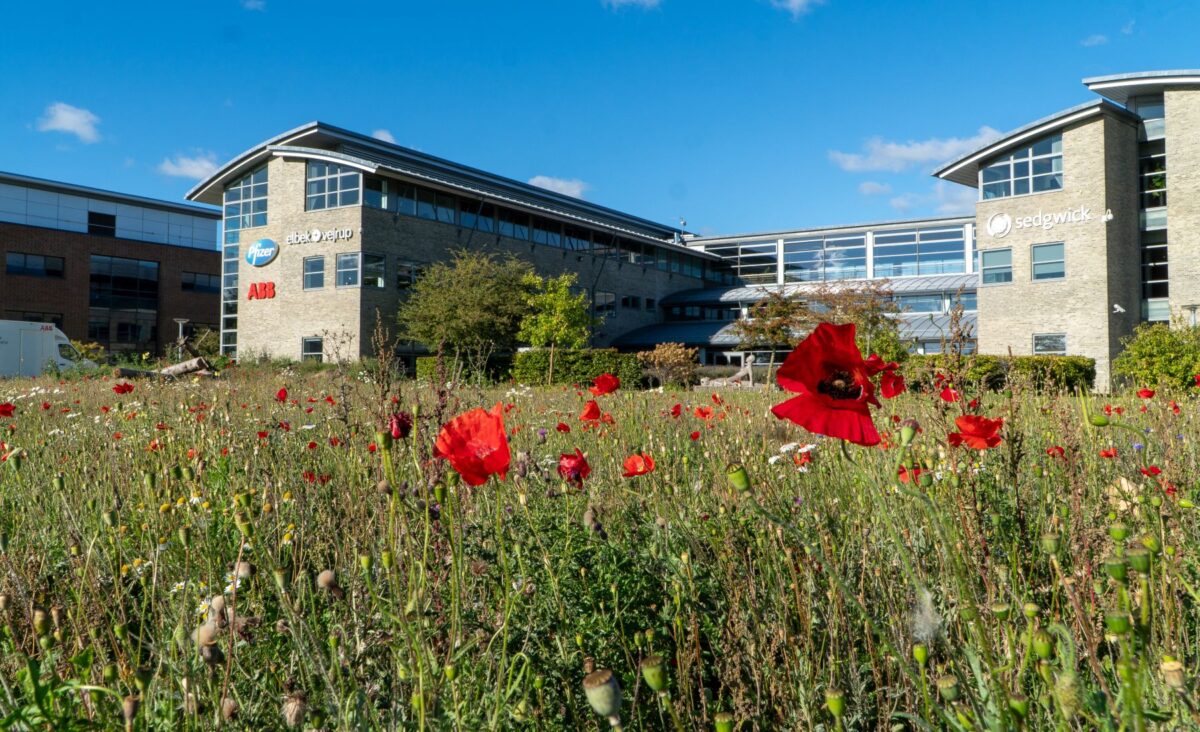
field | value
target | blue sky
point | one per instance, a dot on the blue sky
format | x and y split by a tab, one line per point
737	115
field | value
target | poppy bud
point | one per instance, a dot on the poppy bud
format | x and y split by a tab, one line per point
835	702
109	518
188	473
364	561
439	493
920	653
383	438
1151	542
947	687
1117	569
1118	532
1043	644
59	482
386	559
653	673
1117	623
1050	542
185	536
1172	672
1019	705
723	722
1099	420
41	621
449	672
739	478
1031	610
603	693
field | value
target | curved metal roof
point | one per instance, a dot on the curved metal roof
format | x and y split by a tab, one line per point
1120	87
754	293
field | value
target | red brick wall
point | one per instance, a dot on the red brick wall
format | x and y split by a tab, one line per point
69	295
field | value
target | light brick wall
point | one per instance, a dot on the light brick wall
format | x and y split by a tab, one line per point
1102	261
1183	198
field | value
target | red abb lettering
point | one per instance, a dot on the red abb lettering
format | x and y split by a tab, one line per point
261	291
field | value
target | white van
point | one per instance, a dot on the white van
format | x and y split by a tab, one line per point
29	349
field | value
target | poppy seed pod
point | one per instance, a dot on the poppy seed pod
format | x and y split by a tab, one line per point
1099	420
1117	623
1151	542
723	722
1001	610
603	693
1031	610
835	702
947	687
920	653
1050	542
1172	672
1043	645
1139	559
739	478
654	673
41	622
1117	569
1118	532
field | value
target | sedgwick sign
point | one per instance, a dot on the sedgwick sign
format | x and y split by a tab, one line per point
1000	224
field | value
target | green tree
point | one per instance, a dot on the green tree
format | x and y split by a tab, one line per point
470	307
773	323
557	316
1160	355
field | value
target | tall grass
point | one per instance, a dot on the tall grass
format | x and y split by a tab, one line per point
236	559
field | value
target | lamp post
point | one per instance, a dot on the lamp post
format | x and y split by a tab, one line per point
179	343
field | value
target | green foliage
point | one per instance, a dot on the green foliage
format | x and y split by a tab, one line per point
577	366
1159	355
472	306
557	316
672	364
994	372
496	369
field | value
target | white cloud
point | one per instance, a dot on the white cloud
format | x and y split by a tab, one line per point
1096	39
1127	29
634	3
572	187
946	199
796	7
259	5
880	154
199	167
871	188
382	134
62	117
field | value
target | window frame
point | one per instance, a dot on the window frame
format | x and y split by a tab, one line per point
1033	261
25	271
1029	158
381	277
984	269
1034	344
335	174
306	354
305	273
337	270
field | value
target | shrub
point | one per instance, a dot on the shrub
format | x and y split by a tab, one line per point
497	369
1159	355
575	366
993	372
671	364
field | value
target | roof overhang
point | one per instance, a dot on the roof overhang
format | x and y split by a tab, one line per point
965	170
1120	87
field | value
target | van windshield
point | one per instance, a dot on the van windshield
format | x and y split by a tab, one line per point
67	351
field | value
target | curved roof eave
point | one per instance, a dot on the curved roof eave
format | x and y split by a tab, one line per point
1120	87
204	190
965	169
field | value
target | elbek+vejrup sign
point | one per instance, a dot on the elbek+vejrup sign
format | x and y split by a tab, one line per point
1000	224
316	235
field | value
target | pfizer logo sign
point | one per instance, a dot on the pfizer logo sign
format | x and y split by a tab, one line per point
998	225
261	253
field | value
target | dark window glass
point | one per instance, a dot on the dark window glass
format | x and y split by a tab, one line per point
314	273
201	282
102	224
34	265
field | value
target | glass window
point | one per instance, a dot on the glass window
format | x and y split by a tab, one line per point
246	203
1152	165
467	213
577	239
968	300
514	224
347	269
426	204
605	302
928	303
374	270
547	232
102	224
375	193
631	302
651	303
995	266
330	186
406	275
1035	168
447	205
486	218
201	282
33	317
314	273
312	349
1050	344
34	265
1048	262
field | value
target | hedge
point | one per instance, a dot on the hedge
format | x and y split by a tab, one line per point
497	368
576	366
994	372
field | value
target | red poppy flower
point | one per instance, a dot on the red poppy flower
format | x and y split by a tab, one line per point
604	384
281	395
695	436
123	388
476	445
371	447
1151	471
976	431
638	464
563	427
400	425
1108	452
677	410
1174	407
262	435
834	385
45	406
950	395
908	476
7	409
891	384
1056	451
312	445
705	413
1197	378
591	412
1146	393
191	453
574	468
716	399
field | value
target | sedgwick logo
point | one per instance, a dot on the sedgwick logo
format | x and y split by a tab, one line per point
1000	224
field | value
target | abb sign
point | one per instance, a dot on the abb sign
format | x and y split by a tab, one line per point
261	291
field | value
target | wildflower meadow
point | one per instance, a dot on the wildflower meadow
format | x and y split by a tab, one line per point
296	549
